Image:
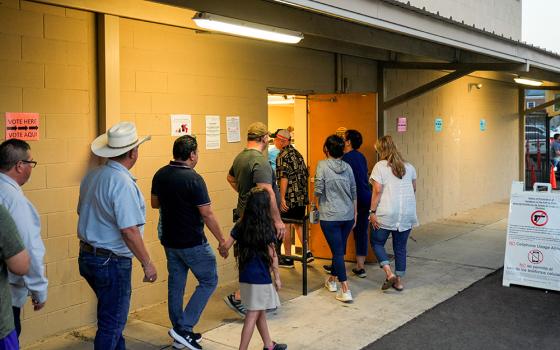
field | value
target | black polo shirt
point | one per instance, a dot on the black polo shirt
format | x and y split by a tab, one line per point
181	191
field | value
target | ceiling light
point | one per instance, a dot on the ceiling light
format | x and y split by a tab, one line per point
276	100
243	28
527	81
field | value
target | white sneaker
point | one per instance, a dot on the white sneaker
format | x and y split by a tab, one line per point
344	296
331	286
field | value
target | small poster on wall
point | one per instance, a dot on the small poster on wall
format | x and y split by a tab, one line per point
233	130
401	124
181	124
438	124
212	132
482	124
23	126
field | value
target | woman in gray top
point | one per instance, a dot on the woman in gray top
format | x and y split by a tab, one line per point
335	192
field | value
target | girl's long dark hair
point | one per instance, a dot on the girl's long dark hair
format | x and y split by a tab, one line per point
255	230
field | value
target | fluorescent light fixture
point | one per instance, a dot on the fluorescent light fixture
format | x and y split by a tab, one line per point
527	81
281	100
248	29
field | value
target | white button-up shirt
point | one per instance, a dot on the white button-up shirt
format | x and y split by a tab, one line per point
397	206
29	226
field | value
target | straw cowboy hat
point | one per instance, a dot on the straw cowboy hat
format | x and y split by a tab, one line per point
118	140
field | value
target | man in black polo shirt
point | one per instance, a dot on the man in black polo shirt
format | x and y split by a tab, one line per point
182	196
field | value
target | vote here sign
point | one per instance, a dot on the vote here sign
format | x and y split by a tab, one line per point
23	126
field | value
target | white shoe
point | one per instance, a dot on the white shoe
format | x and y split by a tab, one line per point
344	296
331	286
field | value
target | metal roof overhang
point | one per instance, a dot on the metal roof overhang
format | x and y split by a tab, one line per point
379	29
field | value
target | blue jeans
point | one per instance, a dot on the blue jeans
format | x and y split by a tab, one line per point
361	231
202	262
336	233
379	238
10	341
109	277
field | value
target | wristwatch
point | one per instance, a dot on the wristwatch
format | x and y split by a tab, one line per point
372	211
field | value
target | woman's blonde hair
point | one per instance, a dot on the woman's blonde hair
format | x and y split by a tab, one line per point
388	151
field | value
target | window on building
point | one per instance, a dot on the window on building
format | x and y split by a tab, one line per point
531	104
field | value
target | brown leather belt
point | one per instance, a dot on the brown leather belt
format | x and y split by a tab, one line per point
88	248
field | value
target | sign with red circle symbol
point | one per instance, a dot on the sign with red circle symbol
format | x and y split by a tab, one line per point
535	256
539	218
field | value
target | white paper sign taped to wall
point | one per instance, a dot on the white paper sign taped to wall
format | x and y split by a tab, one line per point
532	256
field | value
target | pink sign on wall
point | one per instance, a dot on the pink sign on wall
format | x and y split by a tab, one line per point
23	126
401	124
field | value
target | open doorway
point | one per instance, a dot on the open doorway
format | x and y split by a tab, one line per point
289	112
312	118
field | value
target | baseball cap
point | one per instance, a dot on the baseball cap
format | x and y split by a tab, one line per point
282	134
257	129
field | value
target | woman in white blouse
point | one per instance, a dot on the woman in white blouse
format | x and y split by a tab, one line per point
393	209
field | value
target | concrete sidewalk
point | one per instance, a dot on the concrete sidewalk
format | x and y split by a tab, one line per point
445	257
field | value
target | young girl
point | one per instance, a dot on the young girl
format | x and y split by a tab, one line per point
256	258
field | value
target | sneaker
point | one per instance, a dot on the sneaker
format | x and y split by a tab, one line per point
309	256
327	268
184	338
345	297
197	338
331	286
286	263
278	346
235	305
359	272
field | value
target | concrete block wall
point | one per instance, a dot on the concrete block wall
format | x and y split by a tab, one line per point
47	66
167	70
460	167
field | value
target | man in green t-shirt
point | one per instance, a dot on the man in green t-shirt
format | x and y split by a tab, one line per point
13	257
251	169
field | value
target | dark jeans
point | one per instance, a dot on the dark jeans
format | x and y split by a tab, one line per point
361	231
201	260
17	319
109	277
336	233
10	341
379	238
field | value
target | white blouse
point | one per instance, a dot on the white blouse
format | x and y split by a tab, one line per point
397	205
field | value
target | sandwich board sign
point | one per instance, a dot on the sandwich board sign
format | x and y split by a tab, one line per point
532	256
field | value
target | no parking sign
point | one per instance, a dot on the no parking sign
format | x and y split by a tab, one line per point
532	255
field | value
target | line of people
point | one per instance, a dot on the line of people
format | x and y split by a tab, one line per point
112	216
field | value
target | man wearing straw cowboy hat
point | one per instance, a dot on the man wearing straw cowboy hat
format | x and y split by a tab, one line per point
112	215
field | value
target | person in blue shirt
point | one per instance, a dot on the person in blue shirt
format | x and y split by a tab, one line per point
112	215
358	163
255	238
16	165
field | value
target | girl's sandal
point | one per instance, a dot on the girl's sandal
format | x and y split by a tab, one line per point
397	288
389	282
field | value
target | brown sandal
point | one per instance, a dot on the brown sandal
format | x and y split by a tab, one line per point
389	282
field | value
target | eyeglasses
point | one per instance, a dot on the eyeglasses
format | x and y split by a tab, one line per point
32	163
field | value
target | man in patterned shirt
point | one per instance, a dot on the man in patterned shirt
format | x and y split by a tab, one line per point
292	176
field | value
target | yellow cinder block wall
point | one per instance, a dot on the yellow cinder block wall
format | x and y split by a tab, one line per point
460	167
47	66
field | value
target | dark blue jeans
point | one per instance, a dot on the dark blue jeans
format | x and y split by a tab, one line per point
109	277
336	233
202	262
10	341
361	231
379	238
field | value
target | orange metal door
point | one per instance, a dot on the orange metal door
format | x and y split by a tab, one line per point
326	113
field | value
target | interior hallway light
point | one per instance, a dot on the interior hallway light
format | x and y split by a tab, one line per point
248	29
527	81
